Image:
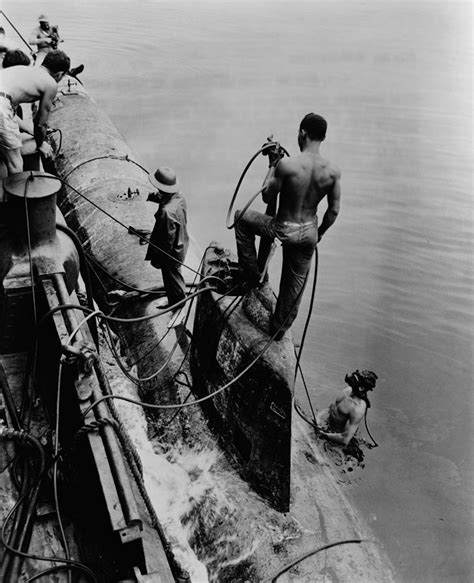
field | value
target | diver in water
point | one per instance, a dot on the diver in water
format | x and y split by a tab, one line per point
344	416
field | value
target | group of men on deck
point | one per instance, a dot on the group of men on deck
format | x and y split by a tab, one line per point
21	83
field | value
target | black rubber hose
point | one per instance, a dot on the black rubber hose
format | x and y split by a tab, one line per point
313	552
237	188
21	531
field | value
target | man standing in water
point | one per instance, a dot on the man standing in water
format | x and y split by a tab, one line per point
345	415
23	84
302	182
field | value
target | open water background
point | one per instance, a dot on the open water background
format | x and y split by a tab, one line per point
200	85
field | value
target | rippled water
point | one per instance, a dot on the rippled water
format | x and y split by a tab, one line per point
199	86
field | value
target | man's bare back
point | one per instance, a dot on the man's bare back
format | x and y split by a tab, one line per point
27	84
23	84
305	180
347	407
302	181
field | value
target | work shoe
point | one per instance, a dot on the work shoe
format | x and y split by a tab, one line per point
246	282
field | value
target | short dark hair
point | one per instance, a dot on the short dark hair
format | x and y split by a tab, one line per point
15	57
57	61
315	126
2	30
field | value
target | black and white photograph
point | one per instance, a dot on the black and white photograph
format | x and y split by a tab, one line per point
236	291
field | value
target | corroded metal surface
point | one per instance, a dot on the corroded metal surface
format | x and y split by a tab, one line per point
105	192
254	414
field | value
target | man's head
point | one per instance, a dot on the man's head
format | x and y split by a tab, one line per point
313	128
2	31
164	179
15	57
57	63
361	381
43	21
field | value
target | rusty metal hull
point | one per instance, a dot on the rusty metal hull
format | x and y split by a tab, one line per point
253	415
96	162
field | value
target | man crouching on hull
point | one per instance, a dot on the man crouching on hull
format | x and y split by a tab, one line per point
23	84
302	182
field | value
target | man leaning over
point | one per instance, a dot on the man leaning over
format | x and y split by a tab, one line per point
23	84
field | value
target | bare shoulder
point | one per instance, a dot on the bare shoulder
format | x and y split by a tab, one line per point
331	168
358	411
286	164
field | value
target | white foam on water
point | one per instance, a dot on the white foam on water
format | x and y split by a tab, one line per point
192	495
174	488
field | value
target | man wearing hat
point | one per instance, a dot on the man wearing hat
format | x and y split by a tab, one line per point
299	183
169	239
45	37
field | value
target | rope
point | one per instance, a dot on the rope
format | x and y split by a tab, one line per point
17	31
140	236
133	460
125	438
121	283
107	156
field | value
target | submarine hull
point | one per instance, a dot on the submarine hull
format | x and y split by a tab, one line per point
272	448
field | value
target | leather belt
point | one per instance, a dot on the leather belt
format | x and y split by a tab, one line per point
2	94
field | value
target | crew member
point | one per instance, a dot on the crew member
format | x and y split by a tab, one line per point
302	182
169	239
14	57
45	37
23	84
344	416
5	45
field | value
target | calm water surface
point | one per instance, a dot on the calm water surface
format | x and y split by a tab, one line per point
199	86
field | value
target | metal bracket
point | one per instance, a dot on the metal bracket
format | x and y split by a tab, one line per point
275	409
129	195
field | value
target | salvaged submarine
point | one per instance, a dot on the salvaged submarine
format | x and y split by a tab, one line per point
300	523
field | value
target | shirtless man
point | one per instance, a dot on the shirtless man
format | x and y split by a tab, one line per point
302	182
23	84
345	415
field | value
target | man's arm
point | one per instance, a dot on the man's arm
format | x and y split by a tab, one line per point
37	39
334	203
24	125
349	430
41	119
273	183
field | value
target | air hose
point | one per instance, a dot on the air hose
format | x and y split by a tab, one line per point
266	146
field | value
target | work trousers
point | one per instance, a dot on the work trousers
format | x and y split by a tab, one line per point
173	281
298	241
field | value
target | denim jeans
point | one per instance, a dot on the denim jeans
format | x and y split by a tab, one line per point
298	241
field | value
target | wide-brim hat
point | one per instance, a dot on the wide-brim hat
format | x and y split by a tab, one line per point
43	18
164	179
